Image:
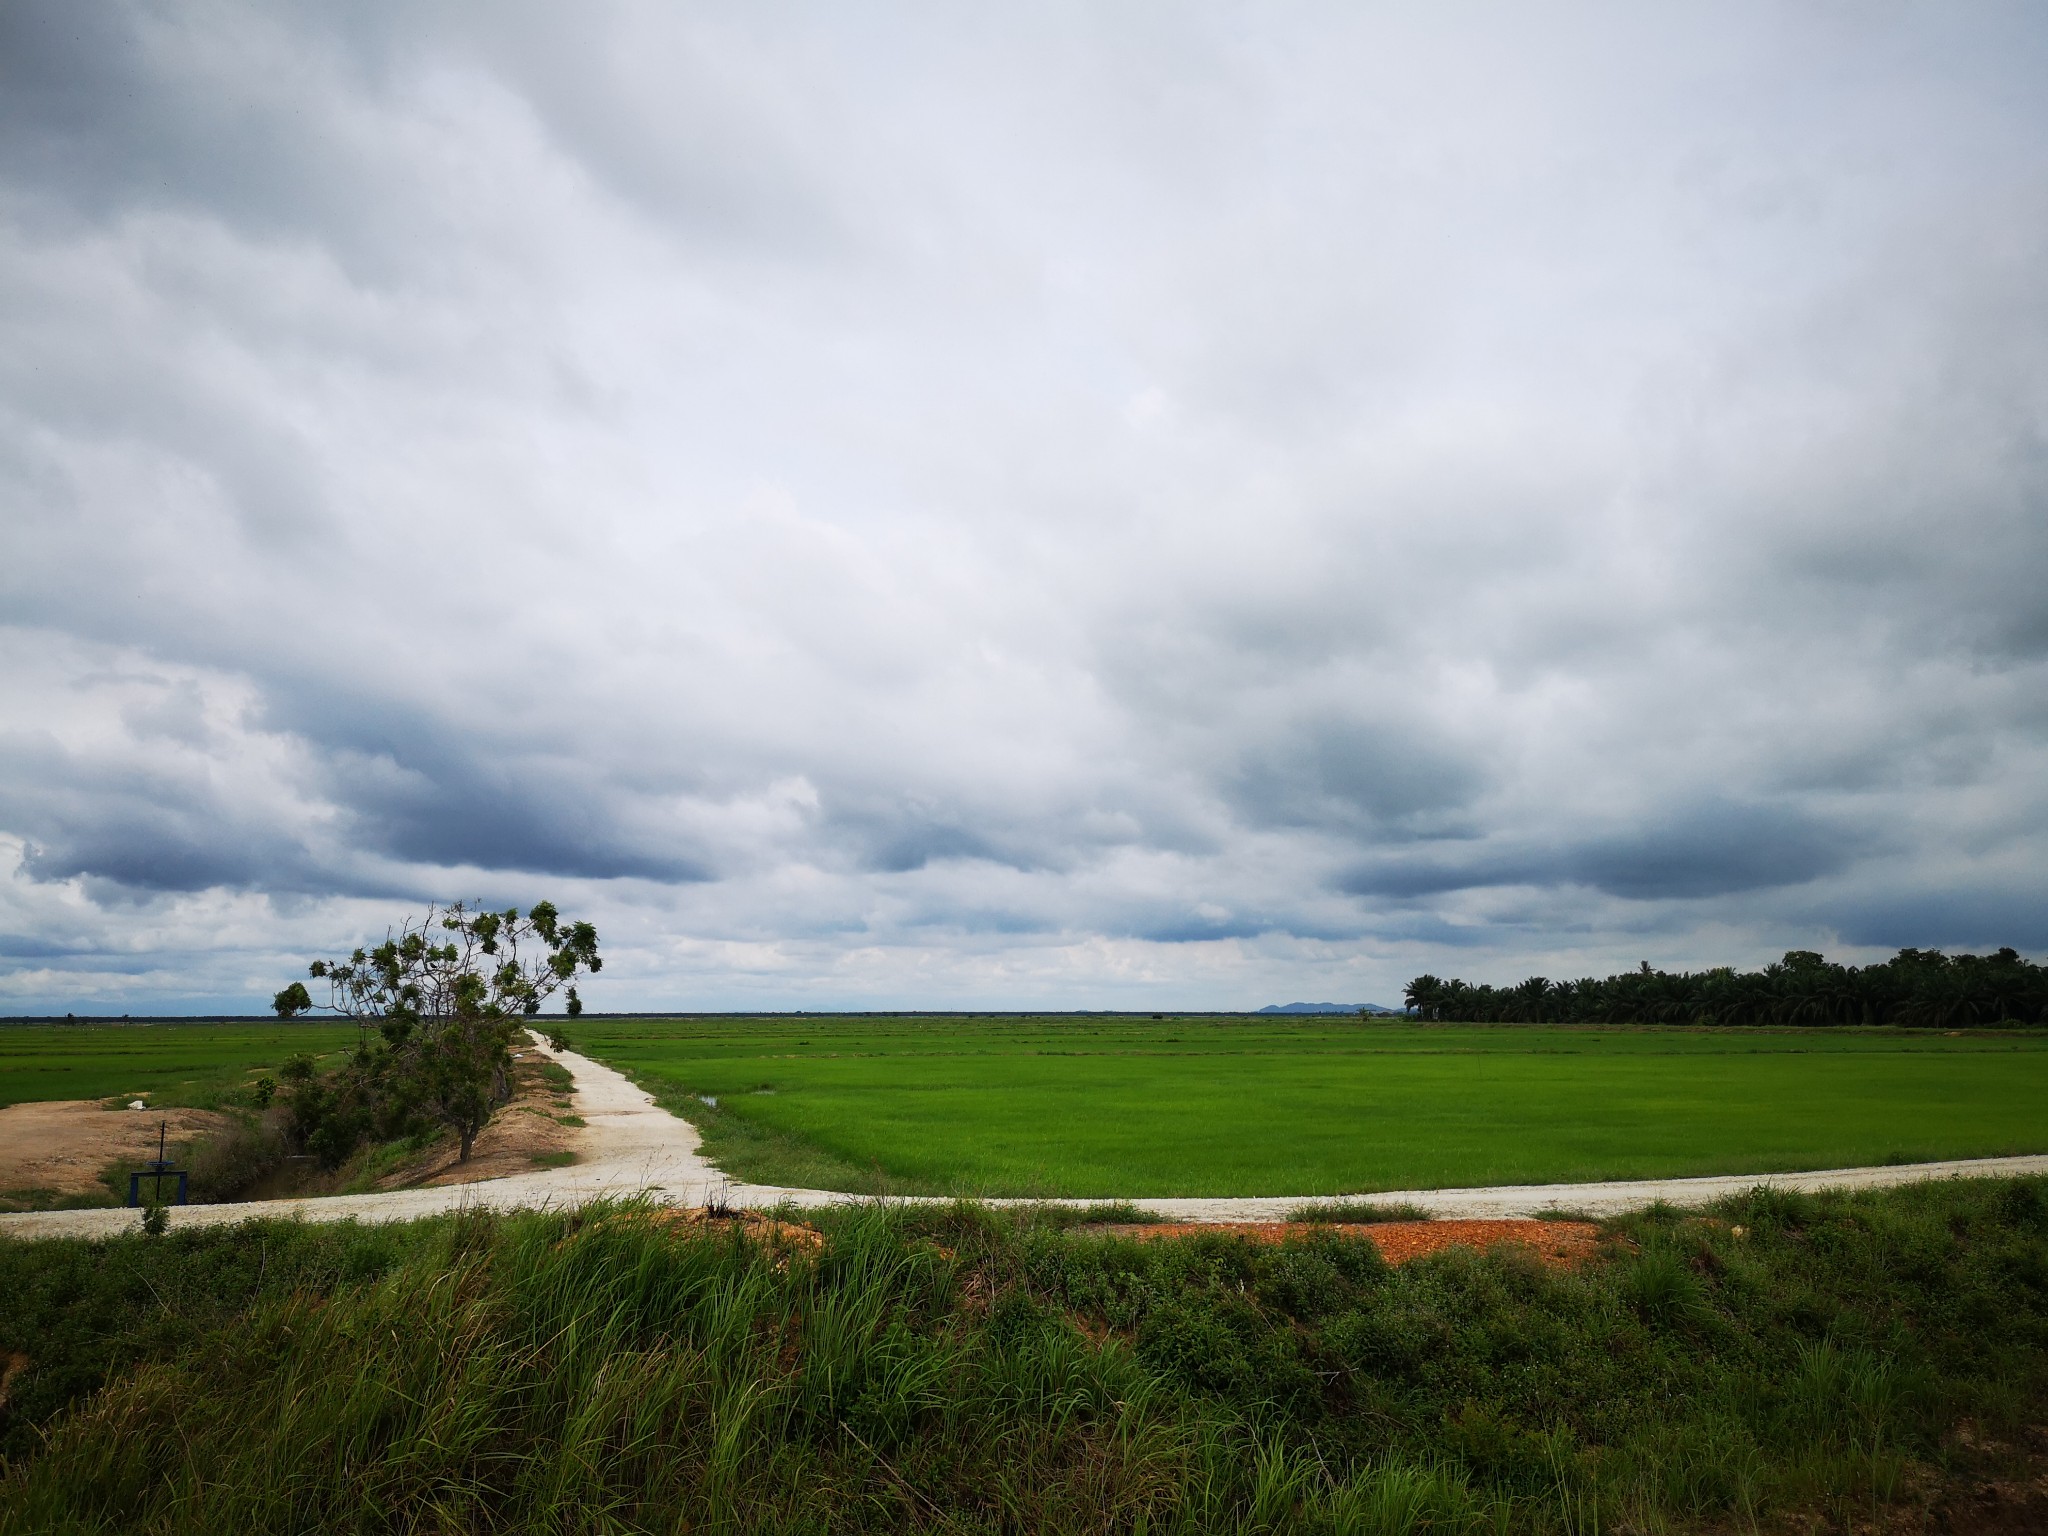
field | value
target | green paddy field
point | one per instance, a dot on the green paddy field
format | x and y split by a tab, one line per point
1109	1106
180	1063
1114	1106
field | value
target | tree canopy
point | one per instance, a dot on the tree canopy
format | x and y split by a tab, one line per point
444	996
1920	988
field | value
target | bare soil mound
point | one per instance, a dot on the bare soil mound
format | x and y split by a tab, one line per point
1561	1243
58	1146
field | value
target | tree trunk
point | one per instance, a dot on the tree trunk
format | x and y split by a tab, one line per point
468	1140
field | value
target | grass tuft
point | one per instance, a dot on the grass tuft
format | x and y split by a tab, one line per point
957	1367
1102	1213
1357	1213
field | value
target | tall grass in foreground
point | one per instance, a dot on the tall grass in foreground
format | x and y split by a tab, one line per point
961	1369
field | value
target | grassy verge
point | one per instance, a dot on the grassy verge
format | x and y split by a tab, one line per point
51	1200
1357	1213
1850	1359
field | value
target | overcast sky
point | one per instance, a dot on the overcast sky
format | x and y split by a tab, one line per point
1093	505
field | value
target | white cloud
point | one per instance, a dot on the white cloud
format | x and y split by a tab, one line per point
1058	507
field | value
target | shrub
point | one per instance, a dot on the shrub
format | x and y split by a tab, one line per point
227	1164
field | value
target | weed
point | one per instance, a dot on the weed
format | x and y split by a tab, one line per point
959	1367
234	1159
1358	1212
555	1076
1663	1290
1107	1213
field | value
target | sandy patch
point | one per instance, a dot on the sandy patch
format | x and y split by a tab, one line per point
1562	1243
522	1136
60	1145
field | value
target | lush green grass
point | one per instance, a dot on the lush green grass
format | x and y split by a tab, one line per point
200	1064
1796	1360
1122	1107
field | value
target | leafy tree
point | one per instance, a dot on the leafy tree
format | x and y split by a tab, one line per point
1917	987
443	996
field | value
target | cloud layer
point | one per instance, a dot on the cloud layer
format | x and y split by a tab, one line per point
1080	507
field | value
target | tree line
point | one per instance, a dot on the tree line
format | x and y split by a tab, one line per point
1917	988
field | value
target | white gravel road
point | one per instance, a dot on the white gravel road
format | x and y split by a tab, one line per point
633	1147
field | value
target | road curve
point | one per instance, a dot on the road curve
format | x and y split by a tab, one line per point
634	1147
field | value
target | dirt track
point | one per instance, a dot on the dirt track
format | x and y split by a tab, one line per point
633	1146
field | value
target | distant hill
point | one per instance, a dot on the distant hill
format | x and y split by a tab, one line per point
1327	1008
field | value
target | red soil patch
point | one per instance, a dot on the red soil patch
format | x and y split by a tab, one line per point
1561	1243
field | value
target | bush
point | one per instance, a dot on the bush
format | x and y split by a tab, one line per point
228	1164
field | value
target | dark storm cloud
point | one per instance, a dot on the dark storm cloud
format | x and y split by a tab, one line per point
1335	775
1408	876
1985	914
898	845
1068	504
109	109
32	949
134	825
424	793
1715	849
460	813
1709	848
1290	922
